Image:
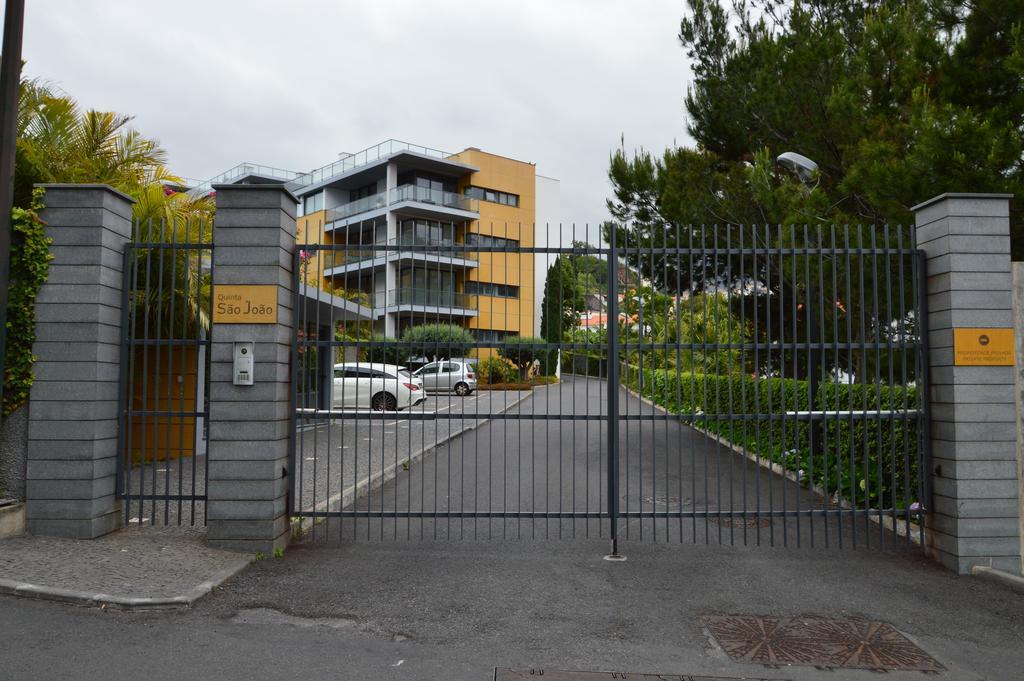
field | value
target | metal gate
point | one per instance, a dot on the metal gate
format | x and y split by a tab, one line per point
164	373
732	385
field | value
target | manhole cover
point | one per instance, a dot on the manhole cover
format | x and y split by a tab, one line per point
666	502
740	522
501	674
818	642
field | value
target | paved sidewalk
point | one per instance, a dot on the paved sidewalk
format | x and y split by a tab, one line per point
135	568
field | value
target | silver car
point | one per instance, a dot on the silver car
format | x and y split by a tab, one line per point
457	375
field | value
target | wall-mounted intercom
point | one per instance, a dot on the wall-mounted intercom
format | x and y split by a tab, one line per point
244	364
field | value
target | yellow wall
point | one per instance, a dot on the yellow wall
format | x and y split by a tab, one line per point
515	177
164	380
309	229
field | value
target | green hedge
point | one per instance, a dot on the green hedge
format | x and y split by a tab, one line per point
862	460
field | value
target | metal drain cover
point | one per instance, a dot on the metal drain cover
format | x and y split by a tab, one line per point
669	502
818	642
501	674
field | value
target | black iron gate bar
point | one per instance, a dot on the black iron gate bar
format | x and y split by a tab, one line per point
812	345
160	304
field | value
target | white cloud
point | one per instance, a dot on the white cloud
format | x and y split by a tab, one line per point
554	82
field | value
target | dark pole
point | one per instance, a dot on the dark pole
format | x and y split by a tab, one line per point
613	394
10	79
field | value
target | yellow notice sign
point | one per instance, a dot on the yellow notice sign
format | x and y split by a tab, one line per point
983	347
244	304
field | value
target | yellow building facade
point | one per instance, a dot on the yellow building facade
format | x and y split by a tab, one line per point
410	198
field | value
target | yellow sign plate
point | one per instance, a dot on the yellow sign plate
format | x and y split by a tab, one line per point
983	347
244	304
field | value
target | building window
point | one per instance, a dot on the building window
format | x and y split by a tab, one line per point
492	335
426	233
313	203
475	239
486	288
492	195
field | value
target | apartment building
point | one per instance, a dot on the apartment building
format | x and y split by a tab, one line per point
402	217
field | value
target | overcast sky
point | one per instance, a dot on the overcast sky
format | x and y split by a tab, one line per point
291	84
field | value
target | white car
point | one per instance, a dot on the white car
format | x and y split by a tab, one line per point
380	387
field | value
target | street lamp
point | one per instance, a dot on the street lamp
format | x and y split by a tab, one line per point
806	171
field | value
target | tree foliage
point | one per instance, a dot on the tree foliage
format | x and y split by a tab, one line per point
562	302
437	340
523	351
895	101
59	142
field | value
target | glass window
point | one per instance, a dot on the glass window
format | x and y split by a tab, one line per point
492	195
429	369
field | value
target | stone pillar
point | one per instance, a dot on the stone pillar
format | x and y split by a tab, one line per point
966	240
250	426
1018	319
73	406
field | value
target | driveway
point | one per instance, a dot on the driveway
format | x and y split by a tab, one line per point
547	456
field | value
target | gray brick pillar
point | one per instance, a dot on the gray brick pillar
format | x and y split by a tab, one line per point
966	239
73	406
249	431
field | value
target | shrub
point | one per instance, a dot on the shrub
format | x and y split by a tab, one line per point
437	340
861	460
385	354
496	370
523	351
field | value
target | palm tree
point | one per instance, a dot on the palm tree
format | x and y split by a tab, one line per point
58	142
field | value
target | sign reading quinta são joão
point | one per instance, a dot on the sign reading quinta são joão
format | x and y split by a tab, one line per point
244	304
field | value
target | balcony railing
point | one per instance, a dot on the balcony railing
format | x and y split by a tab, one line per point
410	192
406	192
367	203
426	297
359	252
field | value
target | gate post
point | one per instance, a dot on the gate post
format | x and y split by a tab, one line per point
249	430
73	405
973	513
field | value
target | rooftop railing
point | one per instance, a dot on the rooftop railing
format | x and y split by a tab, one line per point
362	158
242	170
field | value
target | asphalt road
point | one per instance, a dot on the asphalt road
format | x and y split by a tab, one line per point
337	456
539	469
411	607
452	611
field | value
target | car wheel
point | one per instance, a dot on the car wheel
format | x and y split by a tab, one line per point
384	402
461	389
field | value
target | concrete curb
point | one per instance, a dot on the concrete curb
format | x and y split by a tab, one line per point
91	599
374	482
1007	579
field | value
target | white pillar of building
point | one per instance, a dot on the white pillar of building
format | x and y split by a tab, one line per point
391	269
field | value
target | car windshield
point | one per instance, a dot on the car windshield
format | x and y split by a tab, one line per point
404	373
